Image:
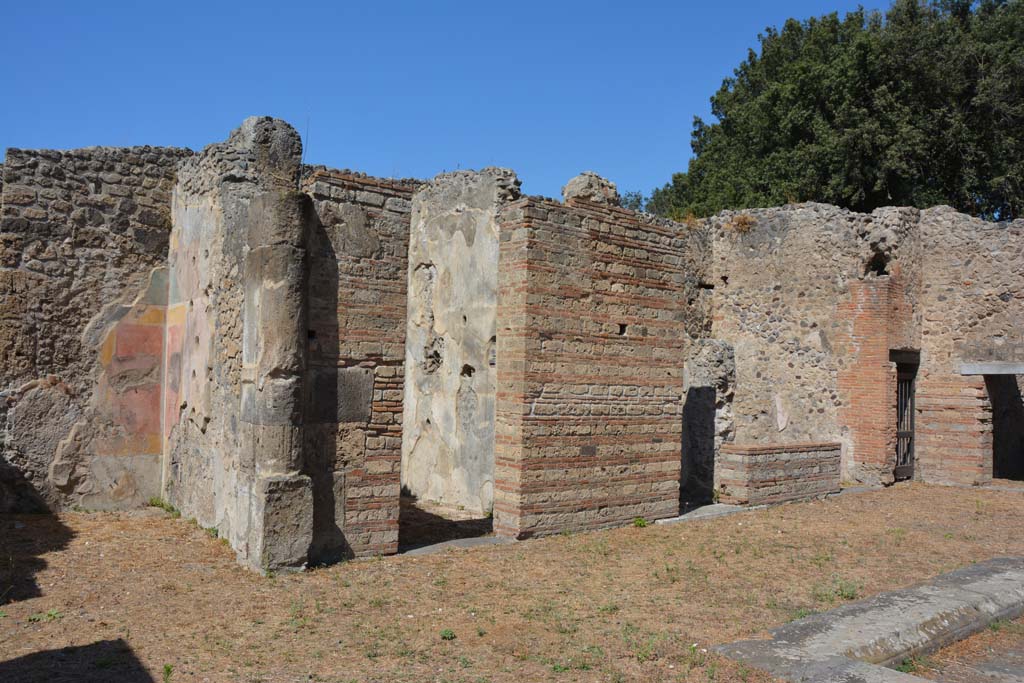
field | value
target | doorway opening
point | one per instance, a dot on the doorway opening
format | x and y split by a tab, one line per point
709	378
1004	393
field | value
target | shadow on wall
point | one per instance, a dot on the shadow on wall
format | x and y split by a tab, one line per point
105	661
322	429
698	448
17	492
24	539
1007	426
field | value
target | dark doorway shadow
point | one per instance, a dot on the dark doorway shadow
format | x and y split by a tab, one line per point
105	661
421	524
697	481
24	539
17	494
1007	426
322	462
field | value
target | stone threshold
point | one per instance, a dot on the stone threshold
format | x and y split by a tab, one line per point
476	542
854	643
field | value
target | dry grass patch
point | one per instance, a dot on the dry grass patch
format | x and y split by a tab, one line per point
631	604
958	662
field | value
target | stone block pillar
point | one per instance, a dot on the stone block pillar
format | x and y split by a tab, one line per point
273	368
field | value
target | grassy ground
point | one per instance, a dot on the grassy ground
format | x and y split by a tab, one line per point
134	593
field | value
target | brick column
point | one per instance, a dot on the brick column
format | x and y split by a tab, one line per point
954	429
867	381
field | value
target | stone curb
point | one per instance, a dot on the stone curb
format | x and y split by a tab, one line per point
853	643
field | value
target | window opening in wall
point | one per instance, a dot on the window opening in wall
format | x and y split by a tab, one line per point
622	329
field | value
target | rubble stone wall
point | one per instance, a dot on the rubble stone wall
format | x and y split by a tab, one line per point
973	301
83	246
356	338
596	307
811	298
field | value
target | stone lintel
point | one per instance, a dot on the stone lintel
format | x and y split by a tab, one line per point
993	367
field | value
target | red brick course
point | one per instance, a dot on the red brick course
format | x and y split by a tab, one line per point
592	324
774	473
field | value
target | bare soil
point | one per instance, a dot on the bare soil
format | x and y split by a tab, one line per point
119	597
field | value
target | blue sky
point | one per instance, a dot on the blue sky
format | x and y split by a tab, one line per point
390	88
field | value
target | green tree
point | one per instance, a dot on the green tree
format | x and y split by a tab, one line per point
920	107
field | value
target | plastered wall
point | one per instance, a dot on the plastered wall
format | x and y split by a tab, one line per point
83	245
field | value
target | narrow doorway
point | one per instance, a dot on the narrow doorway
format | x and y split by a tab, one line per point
906	374
1004	392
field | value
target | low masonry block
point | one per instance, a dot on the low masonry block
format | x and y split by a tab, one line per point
774	473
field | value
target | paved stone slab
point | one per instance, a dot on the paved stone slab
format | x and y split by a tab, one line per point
710	512
849	643
458	543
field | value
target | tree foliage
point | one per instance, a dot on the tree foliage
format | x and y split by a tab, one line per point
921	106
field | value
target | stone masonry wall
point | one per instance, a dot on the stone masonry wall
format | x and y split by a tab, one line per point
596	306
973	301
775	473
356	337
812	298
448	451
83	245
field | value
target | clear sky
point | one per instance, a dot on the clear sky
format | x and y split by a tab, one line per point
390	88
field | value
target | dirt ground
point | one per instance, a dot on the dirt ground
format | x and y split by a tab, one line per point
146	597
996	654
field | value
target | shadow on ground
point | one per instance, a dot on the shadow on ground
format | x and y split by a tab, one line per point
24	539
420	526
105	661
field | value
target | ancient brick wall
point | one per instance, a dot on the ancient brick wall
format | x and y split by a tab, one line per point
774	473
83	244
973	302
357	321
812	298
596	306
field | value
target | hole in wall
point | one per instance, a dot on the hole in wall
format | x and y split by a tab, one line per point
877	265
311	334
433	355
622	329
725	279
468	370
